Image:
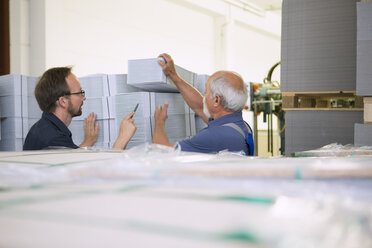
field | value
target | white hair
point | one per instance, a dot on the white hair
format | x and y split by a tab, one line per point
233	99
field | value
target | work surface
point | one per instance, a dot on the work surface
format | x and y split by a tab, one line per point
152	196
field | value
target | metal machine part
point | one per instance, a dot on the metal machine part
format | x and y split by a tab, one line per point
266	98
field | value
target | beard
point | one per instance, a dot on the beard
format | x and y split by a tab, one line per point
74	113
205	109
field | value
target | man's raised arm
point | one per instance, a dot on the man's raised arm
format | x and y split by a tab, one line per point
191	95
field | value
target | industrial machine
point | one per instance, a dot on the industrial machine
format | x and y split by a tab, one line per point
266	99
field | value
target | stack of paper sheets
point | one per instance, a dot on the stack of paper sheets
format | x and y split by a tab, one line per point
318	47
200	81
19	109
364	49
306	130
118	84
147	74
363	134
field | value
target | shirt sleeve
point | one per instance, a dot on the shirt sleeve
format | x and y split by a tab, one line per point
201	142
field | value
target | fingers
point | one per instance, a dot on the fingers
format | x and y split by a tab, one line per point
161	63
90	120
166	56
167	59
96	128
161	113
129	116
165	109
158	110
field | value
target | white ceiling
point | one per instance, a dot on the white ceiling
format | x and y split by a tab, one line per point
267	5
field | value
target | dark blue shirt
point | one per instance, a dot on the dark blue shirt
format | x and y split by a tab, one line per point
48	132
216	137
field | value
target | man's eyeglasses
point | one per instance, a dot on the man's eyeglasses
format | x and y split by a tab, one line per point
82	92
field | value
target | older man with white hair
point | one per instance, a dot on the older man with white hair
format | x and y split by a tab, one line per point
221	108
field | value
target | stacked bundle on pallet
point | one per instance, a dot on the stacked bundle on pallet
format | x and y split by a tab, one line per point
19	110
318	68
363	132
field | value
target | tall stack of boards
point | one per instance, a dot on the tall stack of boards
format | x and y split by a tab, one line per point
319	73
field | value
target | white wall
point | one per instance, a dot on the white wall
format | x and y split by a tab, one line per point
98	36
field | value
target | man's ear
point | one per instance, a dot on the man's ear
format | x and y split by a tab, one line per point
62	102
217	100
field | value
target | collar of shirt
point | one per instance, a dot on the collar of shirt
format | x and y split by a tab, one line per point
225	119
56	121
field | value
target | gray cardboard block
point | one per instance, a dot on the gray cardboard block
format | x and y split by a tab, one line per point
118	84
95	85
147	74
364	68
364	20
307	130
318	45
363	134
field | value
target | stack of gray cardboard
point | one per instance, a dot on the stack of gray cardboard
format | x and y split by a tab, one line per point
318	48
306	130
118	84
318	53
200	81
177	126
147	74
364	49
19	110
363	132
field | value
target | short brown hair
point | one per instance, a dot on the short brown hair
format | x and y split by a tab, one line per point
51	86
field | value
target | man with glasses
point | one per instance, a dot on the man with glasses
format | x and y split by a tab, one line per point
60	97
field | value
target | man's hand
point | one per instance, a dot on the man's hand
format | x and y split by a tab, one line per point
168	67
160	136
191	95
90	130
161	113
126	132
